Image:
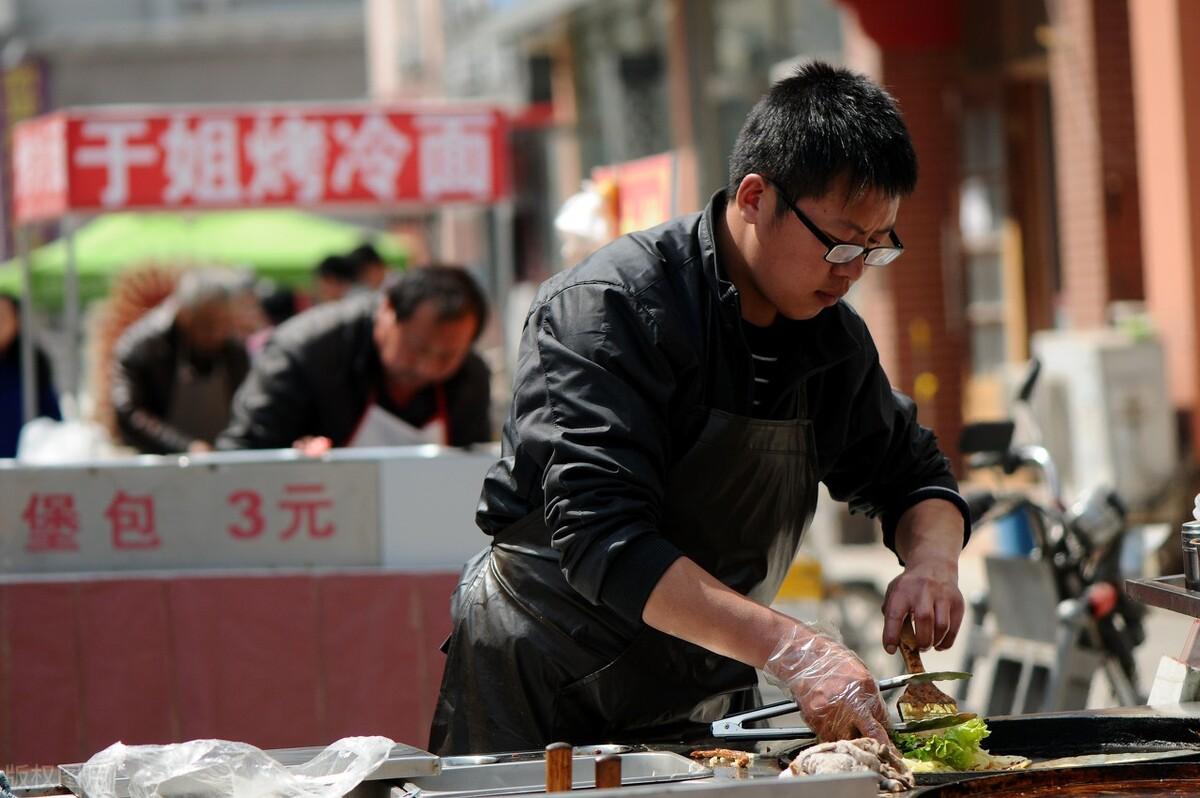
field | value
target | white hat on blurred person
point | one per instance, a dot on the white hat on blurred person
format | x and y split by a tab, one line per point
585	222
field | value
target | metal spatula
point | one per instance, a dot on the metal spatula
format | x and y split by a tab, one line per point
920	699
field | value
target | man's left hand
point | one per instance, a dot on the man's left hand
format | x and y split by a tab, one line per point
928	539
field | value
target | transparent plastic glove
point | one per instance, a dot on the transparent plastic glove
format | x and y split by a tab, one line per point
833	688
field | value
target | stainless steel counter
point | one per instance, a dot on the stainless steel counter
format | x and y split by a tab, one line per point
477	777
412	773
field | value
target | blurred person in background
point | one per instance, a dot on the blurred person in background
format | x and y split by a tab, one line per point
11	379
389	369
246	307
336	278
176	369
278	305
586	221
372	269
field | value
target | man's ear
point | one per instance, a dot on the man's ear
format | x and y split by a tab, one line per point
751	198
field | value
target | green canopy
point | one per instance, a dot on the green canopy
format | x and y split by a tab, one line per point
281	244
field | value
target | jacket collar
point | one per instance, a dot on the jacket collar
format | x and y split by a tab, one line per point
822	341
714	274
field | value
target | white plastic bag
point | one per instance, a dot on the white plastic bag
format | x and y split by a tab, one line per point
209	768
44	441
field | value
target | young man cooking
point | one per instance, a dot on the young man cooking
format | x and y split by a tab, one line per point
679	394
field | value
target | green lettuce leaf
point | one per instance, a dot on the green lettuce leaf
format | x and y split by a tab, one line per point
955	746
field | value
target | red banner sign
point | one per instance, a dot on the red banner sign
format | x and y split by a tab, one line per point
101	160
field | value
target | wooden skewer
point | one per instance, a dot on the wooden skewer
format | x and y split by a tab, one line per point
558	767
608	771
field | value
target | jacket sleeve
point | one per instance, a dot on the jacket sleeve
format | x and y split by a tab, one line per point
274	407
133	374
594	387
469	403
887	461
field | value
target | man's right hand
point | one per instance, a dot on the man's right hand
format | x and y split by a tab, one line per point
833	688
313	445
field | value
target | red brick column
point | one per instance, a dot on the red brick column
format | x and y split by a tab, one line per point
1083	242
915	307
1118	150
929	334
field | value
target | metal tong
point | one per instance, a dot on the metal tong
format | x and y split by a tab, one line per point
733	727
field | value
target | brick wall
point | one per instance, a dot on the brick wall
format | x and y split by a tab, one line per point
1118	149
1079	168
924	82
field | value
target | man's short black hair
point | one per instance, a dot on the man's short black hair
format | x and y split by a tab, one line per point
451	287
364	255
279	304
337	267
821	123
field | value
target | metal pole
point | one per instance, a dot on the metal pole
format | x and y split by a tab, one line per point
71	305
436	225
29	386
503	216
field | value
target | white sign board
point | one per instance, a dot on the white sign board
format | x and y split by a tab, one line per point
168	514
429	510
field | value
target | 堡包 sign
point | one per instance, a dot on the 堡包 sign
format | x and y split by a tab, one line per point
137	515
108	159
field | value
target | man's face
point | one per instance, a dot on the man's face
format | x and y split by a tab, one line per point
787	261
422	350
373	274
331	289
207	327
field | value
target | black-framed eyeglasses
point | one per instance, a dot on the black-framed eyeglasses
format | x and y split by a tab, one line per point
841	252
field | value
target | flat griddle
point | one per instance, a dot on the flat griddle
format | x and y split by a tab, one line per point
1074	739
1154	780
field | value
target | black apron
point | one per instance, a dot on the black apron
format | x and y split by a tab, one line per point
532	662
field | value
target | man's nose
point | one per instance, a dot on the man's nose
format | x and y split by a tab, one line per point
851	270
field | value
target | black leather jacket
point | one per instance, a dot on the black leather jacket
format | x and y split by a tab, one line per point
620	358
